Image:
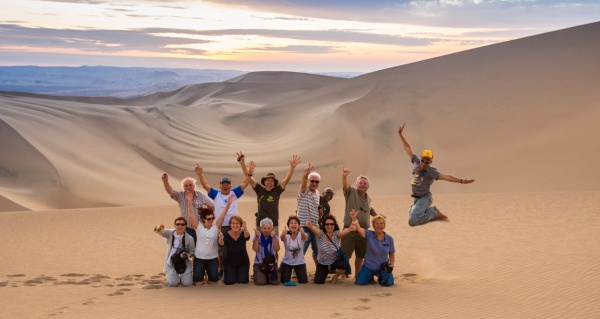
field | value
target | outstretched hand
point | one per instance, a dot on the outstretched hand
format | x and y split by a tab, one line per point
294	161
345	172
240	156
467	181
198	169
165	177
401	128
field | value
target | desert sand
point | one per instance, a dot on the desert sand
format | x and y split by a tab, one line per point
80	188
533	255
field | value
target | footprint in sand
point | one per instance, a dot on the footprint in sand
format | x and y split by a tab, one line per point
364	299
383	294
153	287
361	308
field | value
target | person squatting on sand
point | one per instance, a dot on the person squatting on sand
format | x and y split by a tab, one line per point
269	190
380	254
293	258
236	263
220	198
206	254
357	200
421	212
308	207
329	243
180	243
265	244
189	186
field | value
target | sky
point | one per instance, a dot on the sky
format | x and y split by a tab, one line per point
269	35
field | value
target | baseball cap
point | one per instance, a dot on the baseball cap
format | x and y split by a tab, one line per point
225	180
427	153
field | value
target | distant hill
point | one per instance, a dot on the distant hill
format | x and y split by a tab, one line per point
105	81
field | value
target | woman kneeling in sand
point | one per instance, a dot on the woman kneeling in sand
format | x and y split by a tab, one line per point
206	262
293	259
380	254
236	263
266	245
178	243
328	240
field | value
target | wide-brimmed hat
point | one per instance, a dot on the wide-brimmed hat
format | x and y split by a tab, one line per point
270	175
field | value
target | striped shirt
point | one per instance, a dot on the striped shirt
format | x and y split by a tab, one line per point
308	207
327	254
199	200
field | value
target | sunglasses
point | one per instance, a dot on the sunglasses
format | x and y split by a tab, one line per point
316	182
425	162
329	224
188	185
210	218
180	224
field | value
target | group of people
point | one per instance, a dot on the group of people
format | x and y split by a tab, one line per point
213	235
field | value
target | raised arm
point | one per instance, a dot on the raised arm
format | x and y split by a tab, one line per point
304	183
405	144
165	180
190	210
345	183
241	159
221	218
359	230
257	235
314	229
294	161
276	245
203	181
248	179
450	178
346	231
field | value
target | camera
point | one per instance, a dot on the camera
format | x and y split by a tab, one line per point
183	255
387	267
289	232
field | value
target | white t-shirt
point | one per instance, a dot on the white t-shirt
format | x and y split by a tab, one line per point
220	201
207	244
294	254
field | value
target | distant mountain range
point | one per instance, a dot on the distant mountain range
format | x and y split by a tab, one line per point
104	81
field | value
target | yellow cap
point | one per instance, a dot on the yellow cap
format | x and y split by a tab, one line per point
427	153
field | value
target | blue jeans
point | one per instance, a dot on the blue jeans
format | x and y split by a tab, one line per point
192	233
421	212
312	241
365	275
210	267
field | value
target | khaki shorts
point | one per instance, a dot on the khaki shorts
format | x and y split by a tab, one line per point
354	242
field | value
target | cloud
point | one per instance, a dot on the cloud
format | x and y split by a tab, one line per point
544	14
156	39
88	40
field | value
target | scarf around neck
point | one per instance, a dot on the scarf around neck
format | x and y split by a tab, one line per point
266	243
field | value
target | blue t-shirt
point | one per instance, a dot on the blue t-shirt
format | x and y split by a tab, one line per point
377	250
422	179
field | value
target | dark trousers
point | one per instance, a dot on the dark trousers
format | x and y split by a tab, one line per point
236	274
323	270
286	273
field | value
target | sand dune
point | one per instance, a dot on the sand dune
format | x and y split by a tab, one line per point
512	115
